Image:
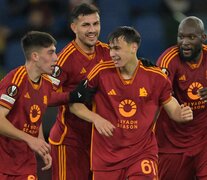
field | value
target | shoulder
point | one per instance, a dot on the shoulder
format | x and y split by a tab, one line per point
102	49
17	76
152	70
103	65
13	83
102	45
52	81
67	53
170	55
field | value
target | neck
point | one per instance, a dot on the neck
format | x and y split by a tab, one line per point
33	73
86	48
128	70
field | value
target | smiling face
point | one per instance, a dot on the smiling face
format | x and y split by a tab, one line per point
87	30
190	38
122	52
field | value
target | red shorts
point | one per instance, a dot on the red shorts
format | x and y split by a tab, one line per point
19	177
144	169
70	163
186	166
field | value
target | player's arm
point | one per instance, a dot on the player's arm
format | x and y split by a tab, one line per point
80	94
41	134
47	159
58	98
102	125
177	112
9	130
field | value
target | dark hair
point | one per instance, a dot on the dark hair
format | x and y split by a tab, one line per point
35	40
83	9
129	34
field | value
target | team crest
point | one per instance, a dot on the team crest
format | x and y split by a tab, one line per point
56	71
12	90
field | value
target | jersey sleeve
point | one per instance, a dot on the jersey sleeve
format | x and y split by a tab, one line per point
94	74
9	92
166	92
168	61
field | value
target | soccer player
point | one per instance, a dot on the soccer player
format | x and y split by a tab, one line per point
24	95
129	94
70	137
183	147
23	98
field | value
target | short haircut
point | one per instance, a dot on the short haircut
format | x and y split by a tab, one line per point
83	9
195	22
34	40
129	34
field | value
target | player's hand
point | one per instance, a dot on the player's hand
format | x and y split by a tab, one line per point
103	126
39	146
78	94
146	62
82	93
186	113
48	161
203	94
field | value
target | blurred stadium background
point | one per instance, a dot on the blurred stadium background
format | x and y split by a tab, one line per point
156	20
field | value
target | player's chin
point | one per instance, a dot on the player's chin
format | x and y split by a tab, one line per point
92	41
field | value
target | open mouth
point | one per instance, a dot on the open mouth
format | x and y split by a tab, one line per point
187	51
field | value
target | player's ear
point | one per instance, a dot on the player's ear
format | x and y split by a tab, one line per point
34	55
204	37
73	27
134	47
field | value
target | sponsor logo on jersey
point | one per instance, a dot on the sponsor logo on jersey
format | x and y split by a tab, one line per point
31	177
35	113
192	90
12	90
127	108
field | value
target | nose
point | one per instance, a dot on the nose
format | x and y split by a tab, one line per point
55	59
92	28
185	41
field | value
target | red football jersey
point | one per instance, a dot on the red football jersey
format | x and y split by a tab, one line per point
27	102
74	65
186	79
131	106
